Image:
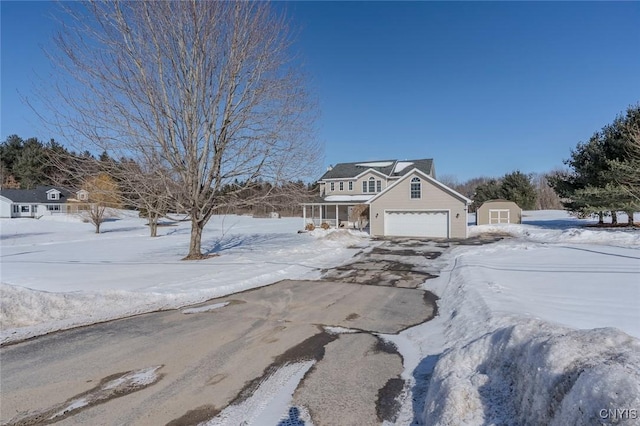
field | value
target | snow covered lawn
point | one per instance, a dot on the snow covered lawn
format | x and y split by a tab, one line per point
540	328
57	273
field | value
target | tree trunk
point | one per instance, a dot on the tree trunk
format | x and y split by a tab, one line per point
98	226
614	218
600	218
630	220
153	225
195	240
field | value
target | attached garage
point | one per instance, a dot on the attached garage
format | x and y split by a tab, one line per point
418	206
416	223
495	212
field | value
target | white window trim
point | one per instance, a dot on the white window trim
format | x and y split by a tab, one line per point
372	184
499	211
415	181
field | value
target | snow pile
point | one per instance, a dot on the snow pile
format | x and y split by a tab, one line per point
340	237
536	373
623	238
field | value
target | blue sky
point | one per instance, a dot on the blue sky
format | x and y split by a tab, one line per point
484	88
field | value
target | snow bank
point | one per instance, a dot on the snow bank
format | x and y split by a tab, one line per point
622	238
537	373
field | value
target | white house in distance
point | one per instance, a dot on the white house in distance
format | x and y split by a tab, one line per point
404	199
41	201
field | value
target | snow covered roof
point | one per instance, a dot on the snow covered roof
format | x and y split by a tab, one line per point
390	168
348	197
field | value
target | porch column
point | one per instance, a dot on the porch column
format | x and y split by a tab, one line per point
304	215
320	214
336	216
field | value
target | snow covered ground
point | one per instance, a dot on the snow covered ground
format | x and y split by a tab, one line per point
505	349
56	273
541	327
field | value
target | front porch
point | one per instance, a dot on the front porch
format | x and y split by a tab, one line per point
336	215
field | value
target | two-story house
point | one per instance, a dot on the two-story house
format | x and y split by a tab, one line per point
404	199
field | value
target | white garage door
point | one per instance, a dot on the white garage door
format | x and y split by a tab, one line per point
416	224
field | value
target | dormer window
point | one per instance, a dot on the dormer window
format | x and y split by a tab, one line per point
82	195
53	194
372	184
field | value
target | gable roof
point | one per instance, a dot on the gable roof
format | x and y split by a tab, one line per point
37	195
391	168
427	178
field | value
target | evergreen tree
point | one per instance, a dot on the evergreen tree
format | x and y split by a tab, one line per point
490	190
517	187
29	167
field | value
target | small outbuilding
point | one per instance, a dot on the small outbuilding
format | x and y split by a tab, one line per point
498	211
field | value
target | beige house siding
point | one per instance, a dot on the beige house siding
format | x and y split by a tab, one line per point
482	214
433	197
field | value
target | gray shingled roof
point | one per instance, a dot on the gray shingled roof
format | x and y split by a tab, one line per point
37	195
351	170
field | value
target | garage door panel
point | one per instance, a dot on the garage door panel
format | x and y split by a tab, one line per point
433	224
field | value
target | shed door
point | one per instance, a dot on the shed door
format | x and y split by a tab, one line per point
498	216
416	224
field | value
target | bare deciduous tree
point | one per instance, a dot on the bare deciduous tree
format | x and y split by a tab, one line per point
103	196
547	198
206	90
358	214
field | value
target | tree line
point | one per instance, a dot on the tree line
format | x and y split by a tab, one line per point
123	183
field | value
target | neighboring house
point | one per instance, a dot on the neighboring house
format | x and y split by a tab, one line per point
41	201
403	198
498	211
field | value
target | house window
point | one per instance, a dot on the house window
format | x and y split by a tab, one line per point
16	208
82	195
415	188
53	207
24	209
350	186
372	184
53	195
341	186
364	186
332	185
378	186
